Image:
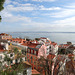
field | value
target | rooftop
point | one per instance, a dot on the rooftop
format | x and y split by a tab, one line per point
50	56
53	43
4	34
35	72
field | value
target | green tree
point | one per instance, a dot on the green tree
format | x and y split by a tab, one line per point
7	59
1	7
15	50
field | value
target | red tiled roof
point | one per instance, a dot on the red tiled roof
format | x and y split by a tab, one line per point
53	43
30	44
35	72
64	46
43	38
70	55
50	56
4	34
25	44
3	50
19	40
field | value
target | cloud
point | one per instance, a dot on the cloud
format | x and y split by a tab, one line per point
63	13
20	8
13	6
28	7
66	22
51	8
61	17
16	19
8	1
44	0
66	11
10	18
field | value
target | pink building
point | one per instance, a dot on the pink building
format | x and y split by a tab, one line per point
34	52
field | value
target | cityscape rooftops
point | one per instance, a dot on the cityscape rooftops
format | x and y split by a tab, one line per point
4	34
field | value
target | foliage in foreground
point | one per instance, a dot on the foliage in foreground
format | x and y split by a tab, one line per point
1	7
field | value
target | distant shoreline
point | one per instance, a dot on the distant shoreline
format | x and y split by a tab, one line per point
39	32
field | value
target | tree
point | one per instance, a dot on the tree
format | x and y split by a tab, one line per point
70	70
15	50
7	59
46	65
1	6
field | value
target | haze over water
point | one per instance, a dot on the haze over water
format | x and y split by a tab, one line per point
58	37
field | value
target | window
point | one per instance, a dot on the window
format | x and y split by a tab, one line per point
35	52
34	63
31	61
22	51
28	55
11	62
8	43
28	50
28	60
0	57
40	65
11	55
25	58
25	52
31	57
31	51
34	57
47	41
16	61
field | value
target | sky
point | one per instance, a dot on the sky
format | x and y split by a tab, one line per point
38	15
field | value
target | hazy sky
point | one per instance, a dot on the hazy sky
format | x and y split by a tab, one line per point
38	15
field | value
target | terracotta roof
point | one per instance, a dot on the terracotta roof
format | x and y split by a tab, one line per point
53	43
35	72
70	55
1	49
32	45
19	40
72	47
50	56
43	38
4	34
27	63
64	45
